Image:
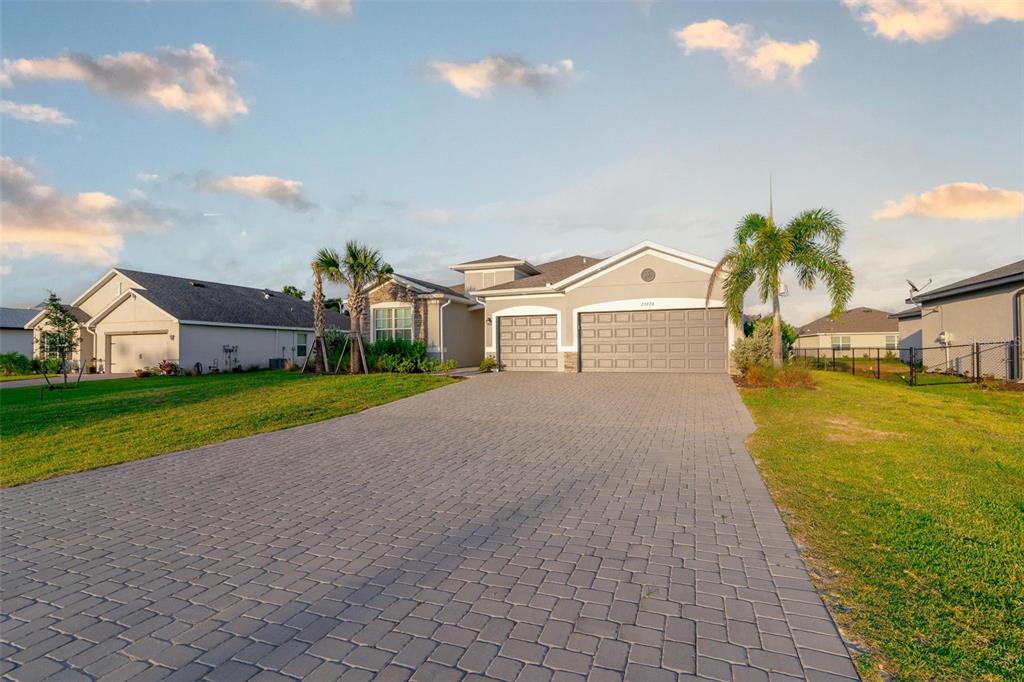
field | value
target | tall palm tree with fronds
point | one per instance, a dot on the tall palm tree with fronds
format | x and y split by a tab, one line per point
325	267
809	244
358	267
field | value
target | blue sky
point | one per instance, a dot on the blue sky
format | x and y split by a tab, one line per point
443	132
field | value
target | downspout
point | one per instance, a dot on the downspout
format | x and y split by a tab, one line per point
1018	352
440	325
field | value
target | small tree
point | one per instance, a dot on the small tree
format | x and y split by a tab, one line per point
293	291
59	336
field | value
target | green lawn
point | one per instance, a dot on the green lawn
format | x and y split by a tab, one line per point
911	501
19	377
118	420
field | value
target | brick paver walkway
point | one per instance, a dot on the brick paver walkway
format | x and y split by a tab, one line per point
527	527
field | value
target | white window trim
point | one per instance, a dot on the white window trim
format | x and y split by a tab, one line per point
393	304
518	311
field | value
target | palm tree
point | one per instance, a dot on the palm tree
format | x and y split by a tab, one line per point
809	244
359	267
325	266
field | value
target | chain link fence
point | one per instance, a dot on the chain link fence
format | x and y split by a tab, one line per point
922	366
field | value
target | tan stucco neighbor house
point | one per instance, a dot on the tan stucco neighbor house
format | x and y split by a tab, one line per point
640	310
988	307
856	328
130	319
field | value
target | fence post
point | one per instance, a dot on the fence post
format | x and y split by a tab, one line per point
833	358
853	360
977	363
817	358
878	363
913	366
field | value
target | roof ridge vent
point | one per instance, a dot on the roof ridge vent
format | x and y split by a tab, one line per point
196	284
267	294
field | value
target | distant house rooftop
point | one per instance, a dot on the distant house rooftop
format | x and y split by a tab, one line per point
197	300
16	318
853	321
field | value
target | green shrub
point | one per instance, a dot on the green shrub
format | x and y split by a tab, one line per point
14	363
404	357
397	348
48	365
488	364
755	349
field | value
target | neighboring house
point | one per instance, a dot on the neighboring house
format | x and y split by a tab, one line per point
988	307
856	328
130	319
641	310
911	336
14	338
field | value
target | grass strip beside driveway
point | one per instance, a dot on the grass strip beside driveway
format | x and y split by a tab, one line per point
109	422
911	504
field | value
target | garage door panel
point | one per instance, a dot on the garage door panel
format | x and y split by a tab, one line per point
658	341
528	343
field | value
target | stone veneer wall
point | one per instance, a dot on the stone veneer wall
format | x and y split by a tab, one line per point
393	292
569	362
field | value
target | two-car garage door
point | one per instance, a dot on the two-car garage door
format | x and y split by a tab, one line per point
693	340
654	341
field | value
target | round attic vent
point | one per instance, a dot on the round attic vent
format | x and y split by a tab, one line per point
648	275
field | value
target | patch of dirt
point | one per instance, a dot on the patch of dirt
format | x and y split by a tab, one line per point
845	430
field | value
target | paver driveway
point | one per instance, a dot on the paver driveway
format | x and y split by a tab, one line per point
525	527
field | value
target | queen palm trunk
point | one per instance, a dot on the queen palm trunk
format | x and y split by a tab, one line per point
776	332
319	320
355	311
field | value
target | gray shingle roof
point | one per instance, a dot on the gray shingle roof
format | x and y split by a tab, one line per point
852	321
1011	273
490	259
202	301
551	272
439	288
16	318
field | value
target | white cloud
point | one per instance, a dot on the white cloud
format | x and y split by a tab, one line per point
190	81
957	201
763	57
148	177
335	8
925	20
279	190
476	79
87	227
35	113
435	217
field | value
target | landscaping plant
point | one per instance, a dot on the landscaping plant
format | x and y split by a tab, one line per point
359	267
59	336
14	363
809	244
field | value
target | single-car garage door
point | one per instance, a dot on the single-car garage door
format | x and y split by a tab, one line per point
129	352
654	341
528	343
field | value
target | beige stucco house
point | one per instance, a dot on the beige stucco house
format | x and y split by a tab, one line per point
130	319
988	307
853	330
640	310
